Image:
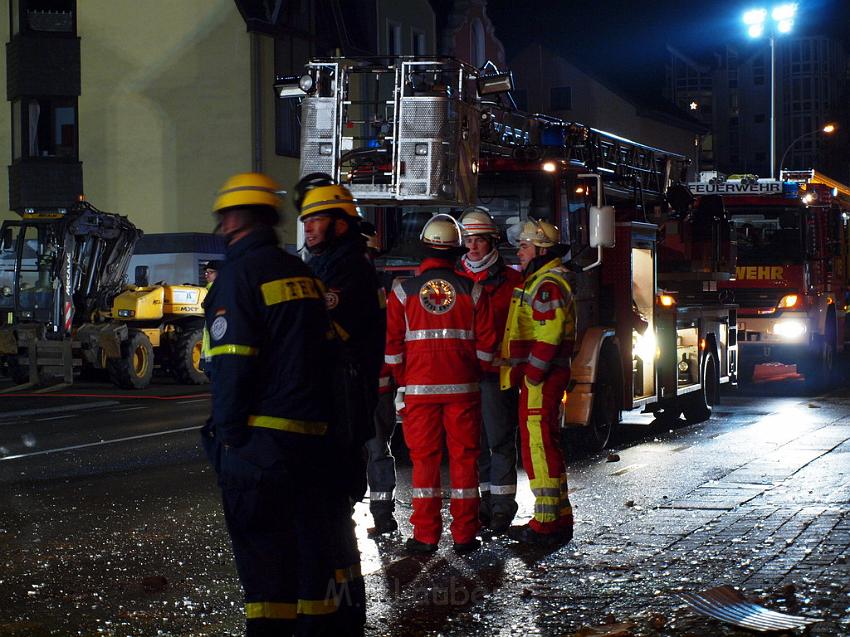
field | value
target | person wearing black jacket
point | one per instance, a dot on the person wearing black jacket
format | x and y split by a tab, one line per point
269	438
355	303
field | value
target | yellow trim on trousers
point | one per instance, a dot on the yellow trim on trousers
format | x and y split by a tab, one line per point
544	511
310	427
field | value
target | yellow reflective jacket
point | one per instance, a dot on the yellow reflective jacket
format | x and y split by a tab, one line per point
541	327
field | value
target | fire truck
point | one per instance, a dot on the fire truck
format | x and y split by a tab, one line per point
415	136
792	281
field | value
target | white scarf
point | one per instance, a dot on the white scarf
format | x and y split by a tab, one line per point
483	264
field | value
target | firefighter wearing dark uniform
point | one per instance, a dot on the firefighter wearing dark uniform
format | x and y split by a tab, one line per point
439	333
355	303
537	346
497	463
272	352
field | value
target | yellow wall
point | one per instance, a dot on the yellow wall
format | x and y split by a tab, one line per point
5	121
165	111
165	107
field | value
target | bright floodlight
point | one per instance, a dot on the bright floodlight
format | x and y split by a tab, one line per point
829	128
755	16
784	12
785	26
755	30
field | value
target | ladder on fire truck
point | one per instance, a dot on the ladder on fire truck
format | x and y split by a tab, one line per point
413	130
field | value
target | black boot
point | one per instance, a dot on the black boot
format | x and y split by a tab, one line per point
384	522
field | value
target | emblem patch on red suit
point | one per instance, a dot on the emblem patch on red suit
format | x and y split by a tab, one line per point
437	296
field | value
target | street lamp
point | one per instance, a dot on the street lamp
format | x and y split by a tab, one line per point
782	17
827	130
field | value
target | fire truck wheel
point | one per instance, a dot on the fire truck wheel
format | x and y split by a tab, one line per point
186	361
697	405
135	367
820	364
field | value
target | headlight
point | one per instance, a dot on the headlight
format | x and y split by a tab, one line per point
5	291
789	328
645	345
126	313
788	302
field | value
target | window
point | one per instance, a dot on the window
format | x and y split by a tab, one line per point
44	127
43	16
393	38
418	46
561	98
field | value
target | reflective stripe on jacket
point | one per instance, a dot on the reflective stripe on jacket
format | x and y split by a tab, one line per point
541	327
439	334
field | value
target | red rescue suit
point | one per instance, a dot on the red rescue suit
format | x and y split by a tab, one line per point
439	335
538	343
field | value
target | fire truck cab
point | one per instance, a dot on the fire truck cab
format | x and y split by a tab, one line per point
414	136
792	278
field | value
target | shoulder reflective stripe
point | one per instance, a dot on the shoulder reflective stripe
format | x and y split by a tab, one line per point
236	350
548	305
538	363
465	494
476	293
430	390
271	610
311	427
393	359
427	335
503	489
425	493
487	357
382	496
317	606
290	289
343	575
398	288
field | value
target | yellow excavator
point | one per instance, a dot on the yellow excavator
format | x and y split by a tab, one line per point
164	327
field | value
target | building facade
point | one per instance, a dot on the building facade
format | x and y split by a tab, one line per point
730	92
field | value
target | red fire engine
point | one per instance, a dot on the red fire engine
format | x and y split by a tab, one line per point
792	278
415	136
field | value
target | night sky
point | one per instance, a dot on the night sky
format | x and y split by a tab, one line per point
625	41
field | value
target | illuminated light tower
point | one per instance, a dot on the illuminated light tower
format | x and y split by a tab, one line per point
782	21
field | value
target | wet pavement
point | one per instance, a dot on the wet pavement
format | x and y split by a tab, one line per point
127	538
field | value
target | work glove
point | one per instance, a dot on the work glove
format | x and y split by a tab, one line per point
399	400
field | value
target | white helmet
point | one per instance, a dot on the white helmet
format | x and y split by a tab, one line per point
539	233
478	222
441	231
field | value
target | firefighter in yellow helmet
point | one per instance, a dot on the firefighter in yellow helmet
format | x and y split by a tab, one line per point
268	438
536	350
356	304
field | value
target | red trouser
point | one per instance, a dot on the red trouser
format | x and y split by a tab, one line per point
542	457
423	433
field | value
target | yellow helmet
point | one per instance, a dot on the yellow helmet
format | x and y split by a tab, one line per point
539	233
442	232
248	189
478	222
328	198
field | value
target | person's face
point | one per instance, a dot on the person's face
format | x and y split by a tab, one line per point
478	247
316	229
210	275
526	252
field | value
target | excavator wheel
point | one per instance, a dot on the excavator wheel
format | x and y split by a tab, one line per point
186	359
135	367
